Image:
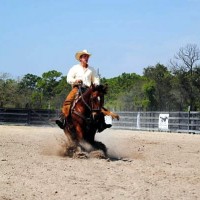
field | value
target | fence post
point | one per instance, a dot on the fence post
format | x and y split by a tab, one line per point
188	119
138	120
29	117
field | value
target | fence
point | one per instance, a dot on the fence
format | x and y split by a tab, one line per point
159	121
150	121
28	116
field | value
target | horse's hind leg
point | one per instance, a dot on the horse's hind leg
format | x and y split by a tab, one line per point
100	146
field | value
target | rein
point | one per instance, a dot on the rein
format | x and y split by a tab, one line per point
79	88
86	104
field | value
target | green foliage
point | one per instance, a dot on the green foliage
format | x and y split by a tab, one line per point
29	81
8	90
128	93
149	102
157	90
48	83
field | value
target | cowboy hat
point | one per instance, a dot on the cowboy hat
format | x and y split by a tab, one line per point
80	53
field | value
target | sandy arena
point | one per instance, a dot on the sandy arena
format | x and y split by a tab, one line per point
147	165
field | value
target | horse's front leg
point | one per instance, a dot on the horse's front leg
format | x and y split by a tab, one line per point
109	113
68	135
79	132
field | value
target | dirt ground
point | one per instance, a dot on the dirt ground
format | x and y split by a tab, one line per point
144	165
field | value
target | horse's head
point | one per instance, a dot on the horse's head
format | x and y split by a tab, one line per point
91	101
97	98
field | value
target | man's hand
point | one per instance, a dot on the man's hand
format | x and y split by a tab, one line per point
78	81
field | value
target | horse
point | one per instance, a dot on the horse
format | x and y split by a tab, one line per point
87	116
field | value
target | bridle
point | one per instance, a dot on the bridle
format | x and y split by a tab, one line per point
90	107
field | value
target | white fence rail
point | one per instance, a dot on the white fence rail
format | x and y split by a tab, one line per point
159	121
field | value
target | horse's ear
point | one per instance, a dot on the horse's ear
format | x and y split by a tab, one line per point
105	88
92	86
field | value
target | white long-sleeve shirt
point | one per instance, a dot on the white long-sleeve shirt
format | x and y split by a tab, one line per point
87	75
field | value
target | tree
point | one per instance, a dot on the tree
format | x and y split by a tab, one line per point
8	91
3	78
61	90
149	89
47	85
26	87
183	66
186	58
124	92
196	87
29	81
159	87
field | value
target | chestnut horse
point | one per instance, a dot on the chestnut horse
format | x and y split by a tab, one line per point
87	114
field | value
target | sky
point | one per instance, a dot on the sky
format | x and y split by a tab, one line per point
37	36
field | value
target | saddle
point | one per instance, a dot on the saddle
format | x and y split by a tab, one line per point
98	121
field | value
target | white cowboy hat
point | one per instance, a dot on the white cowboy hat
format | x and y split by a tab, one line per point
80	53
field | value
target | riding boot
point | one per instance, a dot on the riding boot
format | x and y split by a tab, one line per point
103	126
61	121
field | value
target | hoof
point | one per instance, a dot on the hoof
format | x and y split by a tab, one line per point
70	151
97	154
81	155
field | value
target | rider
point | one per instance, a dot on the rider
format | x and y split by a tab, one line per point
81	73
